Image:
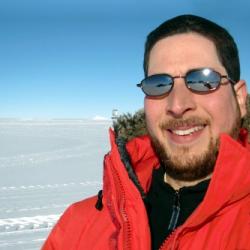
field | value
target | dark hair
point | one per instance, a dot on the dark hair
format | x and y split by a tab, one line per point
225	45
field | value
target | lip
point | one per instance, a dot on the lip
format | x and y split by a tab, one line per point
185	134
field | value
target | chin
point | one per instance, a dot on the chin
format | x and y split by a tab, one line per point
183	162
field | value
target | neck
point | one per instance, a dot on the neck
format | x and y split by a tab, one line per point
177	184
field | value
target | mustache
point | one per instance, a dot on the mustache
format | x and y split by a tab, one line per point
180	122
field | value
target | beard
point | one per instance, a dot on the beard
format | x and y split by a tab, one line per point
182	165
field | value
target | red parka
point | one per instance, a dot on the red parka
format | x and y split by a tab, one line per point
220	222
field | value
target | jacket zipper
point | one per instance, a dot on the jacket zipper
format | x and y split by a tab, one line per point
126	224
173	220
164	244
175	212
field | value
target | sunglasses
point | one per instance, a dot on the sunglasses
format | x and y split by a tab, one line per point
202	81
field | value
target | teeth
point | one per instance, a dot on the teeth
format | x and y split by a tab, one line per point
187	131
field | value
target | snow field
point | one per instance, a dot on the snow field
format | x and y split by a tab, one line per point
44	167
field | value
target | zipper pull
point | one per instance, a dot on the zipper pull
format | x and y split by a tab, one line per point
99	204
175	212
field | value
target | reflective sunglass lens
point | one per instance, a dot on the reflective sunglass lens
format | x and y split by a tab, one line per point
203	80
157	85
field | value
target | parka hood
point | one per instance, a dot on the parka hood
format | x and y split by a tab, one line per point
130	133
129	126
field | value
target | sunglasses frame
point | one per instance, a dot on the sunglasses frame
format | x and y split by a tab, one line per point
140	85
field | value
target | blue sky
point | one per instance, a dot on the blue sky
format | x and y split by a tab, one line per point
79	59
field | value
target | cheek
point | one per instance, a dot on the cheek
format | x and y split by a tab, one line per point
223	112
154	112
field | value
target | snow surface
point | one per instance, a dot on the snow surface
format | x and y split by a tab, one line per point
44	167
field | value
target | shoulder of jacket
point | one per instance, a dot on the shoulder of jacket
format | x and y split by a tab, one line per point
81	208
71	224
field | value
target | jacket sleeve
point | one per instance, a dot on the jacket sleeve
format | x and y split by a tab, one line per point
72	223
57	234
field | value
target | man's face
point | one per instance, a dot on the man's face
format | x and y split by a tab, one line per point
185	126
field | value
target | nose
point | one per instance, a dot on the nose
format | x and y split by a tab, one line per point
180	100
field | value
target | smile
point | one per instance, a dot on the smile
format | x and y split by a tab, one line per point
185	132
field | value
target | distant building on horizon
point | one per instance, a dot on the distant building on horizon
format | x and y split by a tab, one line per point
115	114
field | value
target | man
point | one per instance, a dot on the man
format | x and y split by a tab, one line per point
185	185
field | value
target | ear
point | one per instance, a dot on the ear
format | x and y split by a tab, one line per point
240	89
